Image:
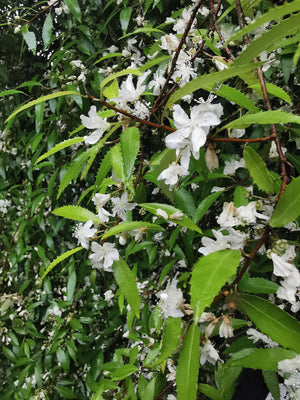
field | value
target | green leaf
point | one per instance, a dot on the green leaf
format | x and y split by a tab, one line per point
184	201
188	365
125	15
268	39
104	168
288	207
240	196
116	75
9	92
263	117
274	91
74	8
39	116
257	285
40	100
169	342
112	90
117	162
130	146
225	376
204	205
271	320
128	226
210	273
47	30
123	372
71	285
63	359
271	380
264	359
30	39
58	260
235	96
59	147
273	13
258	170
127	282
105	384
210	391
185	221
9	354
145	29
65	392
209	81
76	213
73	170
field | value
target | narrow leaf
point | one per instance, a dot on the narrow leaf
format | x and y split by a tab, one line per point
117	162
263	117
210	273
170	210
271	320
130	145
258	170
125	15
123	372
257	285
205	204
9	92
127	282
128	226
47	30
188	365
39	116
30	39
169	343
59	147
274	91
210	391
40	100
58	260
288	207
76	213
74	8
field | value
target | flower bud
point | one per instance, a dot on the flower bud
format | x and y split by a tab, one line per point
211	158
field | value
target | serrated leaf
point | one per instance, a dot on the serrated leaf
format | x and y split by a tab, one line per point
234	95
240	196
47	30
117	161
288	207
103	170
185	221
271	320
274	91
205	204
209	81
263	117
188	365
257	285
123	372
273	13
210	273
127	282
76	213
58	260
184	201
210	391
125	15
112	90
40	100
169	342
39	116
128	226
264	359
30	39
59	147
130	146
258	170
74	8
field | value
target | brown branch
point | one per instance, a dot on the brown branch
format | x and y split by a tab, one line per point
176	55
263	139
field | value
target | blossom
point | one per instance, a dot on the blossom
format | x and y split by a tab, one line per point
121	205
226	329
283	265
128	91
233	165
256	336
170	300
103	255
100	200
157	83
208	353
83	232
171	174
169	43
93	121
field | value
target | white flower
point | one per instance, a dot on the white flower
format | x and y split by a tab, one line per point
128	92
169	43
4	205
108	295
157	83
229	215
162	213
83	232
170	300
210	245
93	121
121	205
237	133
256	336
178	215
208	353
103	256
171	174
226	329
100	200
233	165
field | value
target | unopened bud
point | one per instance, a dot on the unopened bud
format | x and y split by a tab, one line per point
211	158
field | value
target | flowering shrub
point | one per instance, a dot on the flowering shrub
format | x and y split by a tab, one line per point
149	199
